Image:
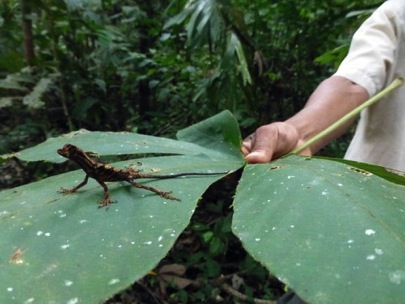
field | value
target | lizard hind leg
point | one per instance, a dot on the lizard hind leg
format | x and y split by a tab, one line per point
157	191
107	200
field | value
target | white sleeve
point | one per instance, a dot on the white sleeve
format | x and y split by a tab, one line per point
374	48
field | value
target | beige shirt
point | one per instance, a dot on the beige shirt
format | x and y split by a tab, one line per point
376	57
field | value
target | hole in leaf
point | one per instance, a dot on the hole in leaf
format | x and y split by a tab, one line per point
360	171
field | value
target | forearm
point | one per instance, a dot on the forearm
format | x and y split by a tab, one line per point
333	98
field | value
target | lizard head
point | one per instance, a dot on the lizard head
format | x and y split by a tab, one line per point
68	150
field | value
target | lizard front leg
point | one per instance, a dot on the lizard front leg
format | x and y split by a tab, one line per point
157	191
68	191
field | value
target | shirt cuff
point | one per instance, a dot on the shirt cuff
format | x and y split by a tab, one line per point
358	77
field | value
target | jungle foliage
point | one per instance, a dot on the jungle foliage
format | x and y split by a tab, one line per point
155	67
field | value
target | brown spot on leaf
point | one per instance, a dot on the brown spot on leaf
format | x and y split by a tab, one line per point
16	257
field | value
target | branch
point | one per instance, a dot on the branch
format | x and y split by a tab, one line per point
29	49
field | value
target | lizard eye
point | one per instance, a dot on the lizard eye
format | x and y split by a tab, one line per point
68	148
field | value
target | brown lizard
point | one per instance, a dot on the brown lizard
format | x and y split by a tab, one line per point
104	173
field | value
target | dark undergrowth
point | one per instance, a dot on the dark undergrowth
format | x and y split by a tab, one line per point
207	263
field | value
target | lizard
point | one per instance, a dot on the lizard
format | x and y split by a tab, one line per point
103	173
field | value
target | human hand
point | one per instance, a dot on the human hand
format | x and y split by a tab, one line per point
269	142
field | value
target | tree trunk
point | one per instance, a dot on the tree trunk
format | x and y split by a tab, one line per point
29	51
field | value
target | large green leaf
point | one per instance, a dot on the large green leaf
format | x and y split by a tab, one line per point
332	232
391	175
217	136
321	226
62	249
217	133
111	143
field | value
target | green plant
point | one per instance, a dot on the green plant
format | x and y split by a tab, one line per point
260	59
136	65
319	225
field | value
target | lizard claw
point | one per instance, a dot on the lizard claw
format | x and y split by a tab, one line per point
65	191
105	203
168	196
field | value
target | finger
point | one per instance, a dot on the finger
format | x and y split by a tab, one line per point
258	157
262	145
247	145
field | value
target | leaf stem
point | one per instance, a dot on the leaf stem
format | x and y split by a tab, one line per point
394	85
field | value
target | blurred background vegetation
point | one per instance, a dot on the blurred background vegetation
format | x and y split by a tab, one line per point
157	66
